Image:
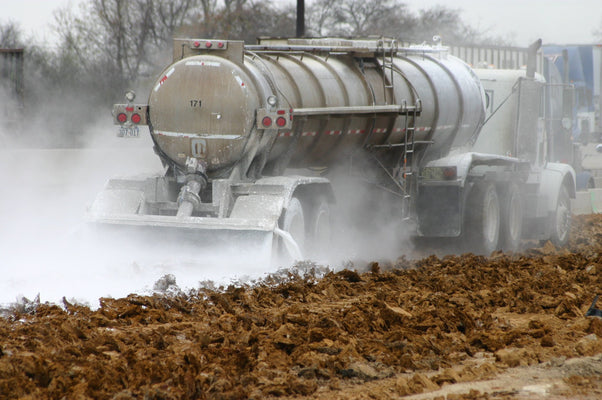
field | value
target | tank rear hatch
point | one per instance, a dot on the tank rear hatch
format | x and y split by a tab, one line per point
203	107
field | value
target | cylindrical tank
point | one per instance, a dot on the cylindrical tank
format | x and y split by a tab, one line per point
205	105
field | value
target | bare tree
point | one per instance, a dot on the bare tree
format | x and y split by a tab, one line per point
359	17
117	41
260	18
320	14
243	19
390	18
170	16
10	35
444	22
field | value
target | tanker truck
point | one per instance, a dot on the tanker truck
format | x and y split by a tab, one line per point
249	134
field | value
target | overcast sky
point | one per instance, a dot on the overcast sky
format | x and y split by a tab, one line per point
521	21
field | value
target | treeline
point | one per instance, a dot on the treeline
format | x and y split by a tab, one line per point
107	46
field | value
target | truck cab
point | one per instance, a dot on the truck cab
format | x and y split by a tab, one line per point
505	188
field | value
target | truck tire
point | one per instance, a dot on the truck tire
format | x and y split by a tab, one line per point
293	222
319	231
483	219
561	222
512	218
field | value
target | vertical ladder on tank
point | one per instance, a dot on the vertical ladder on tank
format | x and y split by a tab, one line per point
386	64
407	171
406	166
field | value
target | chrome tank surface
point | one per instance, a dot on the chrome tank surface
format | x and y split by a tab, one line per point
206	104
203	107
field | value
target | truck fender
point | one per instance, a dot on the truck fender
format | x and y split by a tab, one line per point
269	197
275	200
260	206
553	176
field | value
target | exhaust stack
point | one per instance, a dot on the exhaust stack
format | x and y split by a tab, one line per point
532	58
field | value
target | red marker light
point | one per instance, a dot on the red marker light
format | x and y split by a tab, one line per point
266	121
197	44
280	121
121	117
208	45
136	118
449	173
220	45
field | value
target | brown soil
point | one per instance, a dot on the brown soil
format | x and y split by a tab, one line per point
456	327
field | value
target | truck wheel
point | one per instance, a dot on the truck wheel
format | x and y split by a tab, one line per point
483	219
512	219
561	224
319	230
293	222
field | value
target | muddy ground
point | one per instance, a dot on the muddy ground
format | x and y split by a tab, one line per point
454	327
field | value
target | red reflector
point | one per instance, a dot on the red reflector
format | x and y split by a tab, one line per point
449	173
130	109
136	118
208	44
220	45
266	121
197	44
281	121
280	112
121	117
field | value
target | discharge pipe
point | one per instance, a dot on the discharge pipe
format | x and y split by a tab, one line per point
189	198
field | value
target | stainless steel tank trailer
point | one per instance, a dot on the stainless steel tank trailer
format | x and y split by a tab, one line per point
462	151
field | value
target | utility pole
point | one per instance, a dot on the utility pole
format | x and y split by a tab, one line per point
300	18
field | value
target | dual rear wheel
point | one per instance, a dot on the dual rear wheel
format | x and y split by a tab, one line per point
493	221
308	221
493	218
